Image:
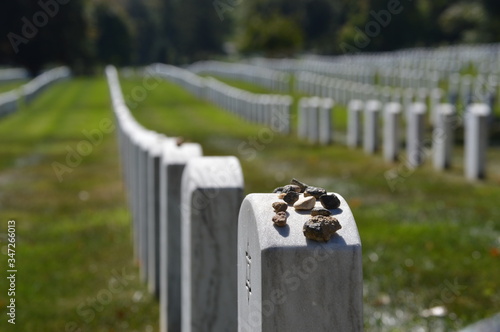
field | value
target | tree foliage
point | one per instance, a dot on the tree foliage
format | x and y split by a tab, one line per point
88	33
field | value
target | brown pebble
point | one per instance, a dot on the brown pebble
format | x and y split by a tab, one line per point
291	197
279	219
279	206
321	228
281	195
305	203
320	211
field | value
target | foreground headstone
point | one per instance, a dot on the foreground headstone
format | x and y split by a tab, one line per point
212	191
371	128
354	109
476	140
289	283
174	159
443	135
392	123
415	134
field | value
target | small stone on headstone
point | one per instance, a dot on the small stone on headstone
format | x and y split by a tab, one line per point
279	219
279	206
330	201
302	185
314	191
320	211
291	187
291	197
321	228
305	203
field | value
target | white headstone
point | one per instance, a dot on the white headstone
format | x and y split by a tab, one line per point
289	283
325	121
415	134
392	123
313	120
174	159
153	213
354	109
443	136
476	140
212	191
371	128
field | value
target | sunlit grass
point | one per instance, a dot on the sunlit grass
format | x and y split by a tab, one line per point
73	237
10	85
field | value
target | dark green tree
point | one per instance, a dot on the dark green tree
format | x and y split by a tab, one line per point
114	40
36	35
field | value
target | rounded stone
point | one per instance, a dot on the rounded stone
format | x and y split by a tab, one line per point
330	201
321	228
305	203
314	191
279	219
320	211
279	206
291	197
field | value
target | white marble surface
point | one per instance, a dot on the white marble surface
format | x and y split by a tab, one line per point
289	283
212	191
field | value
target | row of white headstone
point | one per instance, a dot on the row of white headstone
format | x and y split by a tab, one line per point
215	259
414	67
271	79
343	90
270	110
363	123
9	101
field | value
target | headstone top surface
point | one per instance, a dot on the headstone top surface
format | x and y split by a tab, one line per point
480	109
393	107
418	108
356	105
292	235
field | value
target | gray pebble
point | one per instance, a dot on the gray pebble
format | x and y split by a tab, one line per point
320	211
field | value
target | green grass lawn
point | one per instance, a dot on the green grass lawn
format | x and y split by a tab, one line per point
73	251
10	85
433	242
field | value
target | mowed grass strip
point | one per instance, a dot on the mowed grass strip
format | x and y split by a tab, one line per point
10	85
73	247
432	242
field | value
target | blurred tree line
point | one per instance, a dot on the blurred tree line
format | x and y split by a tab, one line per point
86	34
